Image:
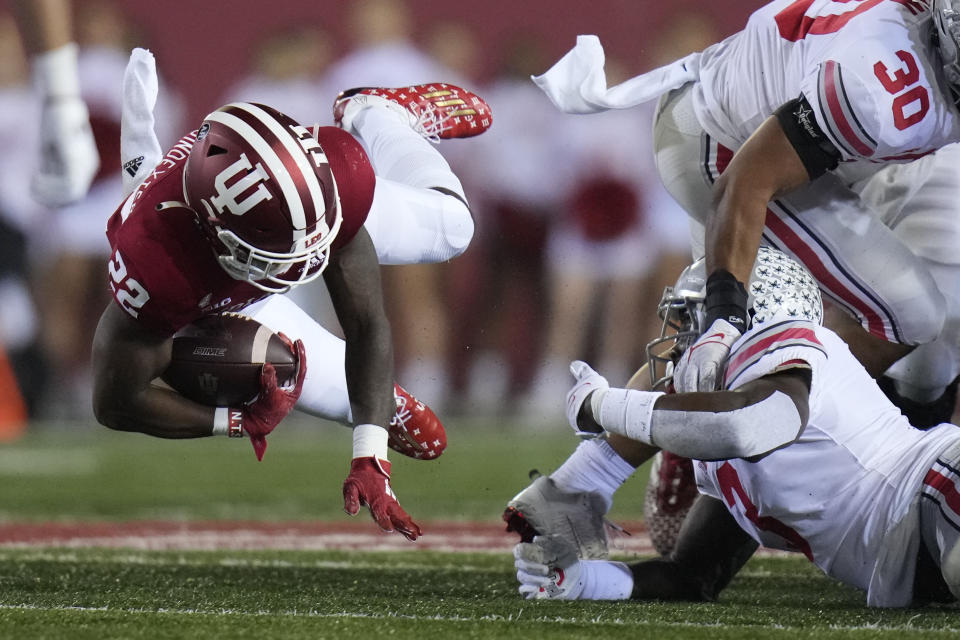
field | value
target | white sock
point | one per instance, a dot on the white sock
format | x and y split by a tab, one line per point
594	467
605	580
399	153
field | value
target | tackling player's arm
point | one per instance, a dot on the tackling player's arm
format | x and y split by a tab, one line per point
750	422
127	357
634	451
766	166
786	152
710	549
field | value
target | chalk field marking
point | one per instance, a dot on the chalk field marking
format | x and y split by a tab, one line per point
347	535
313	613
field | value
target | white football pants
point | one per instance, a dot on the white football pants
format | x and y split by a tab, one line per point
324	392
409	223
865	257
939	517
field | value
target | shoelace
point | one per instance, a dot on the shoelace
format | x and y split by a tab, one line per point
430	122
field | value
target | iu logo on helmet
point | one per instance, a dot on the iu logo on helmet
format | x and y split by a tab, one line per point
226	197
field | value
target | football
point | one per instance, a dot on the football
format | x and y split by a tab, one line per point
217	360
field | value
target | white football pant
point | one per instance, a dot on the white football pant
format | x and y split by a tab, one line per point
409	223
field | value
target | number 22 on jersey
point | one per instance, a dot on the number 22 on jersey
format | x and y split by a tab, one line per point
130	294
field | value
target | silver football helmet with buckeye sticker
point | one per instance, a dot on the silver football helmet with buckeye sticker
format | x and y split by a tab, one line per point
779	287
265	194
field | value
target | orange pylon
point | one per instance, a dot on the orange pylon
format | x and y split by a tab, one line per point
13	411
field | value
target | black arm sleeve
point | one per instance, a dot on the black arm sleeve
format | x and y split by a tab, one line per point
817	153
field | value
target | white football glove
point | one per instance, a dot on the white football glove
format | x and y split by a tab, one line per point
702	365
588	381
68	154
548	568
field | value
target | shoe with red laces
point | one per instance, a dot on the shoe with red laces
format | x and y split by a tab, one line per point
671	492
437	111
415	430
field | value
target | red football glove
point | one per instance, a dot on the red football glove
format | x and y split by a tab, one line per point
369	484
272	405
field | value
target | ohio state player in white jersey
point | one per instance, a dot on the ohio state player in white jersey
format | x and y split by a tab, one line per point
863	68
859	86
845	493
800	452
792	133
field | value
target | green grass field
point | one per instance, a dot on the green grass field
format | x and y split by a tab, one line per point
85	474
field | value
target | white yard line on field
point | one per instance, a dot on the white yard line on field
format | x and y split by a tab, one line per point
511	619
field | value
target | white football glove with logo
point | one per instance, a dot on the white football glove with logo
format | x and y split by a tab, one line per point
68	153
588	382
548	569
702	365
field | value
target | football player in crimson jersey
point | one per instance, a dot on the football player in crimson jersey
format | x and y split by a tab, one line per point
799	451
824	128
252	204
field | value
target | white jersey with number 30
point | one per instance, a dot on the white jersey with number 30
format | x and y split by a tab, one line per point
844	494
873	81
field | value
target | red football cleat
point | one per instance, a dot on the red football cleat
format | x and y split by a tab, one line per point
435	111
415	430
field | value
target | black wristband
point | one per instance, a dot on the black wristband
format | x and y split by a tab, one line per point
726	299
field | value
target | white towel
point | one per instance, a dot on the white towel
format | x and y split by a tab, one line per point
139	148
577	83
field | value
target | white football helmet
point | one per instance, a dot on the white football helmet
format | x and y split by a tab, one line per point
779	287
946	19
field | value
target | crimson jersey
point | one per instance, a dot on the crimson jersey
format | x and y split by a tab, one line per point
163	270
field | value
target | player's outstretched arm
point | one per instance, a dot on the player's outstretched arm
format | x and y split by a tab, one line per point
126	359
750	422
353	280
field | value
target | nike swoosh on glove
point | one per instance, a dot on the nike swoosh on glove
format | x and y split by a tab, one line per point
369	484
702	365
272	405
